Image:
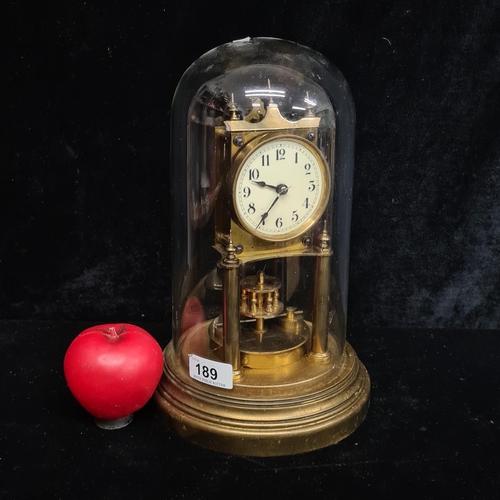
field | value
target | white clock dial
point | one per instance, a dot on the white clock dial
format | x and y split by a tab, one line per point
281	188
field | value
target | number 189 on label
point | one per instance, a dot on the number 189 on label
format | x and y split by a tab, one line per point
211	372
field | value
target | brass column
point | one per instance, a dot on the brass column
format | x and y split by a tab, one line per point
229	265
321	297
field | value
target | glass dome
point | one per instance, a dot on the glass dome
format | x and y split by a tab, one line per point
262	162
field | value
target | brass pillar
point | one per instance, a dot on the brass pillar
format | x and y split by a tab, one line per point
321	297
229	265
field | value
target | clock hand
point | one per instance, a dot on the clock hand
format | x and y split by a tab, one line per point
264	215
263	184
280	188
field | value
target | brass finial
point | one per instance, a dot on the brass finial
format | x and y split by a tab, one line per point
309	105
269	87
233	110
230	251
324	238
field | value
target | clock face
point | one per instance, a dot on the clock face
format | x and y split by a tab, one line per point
281	188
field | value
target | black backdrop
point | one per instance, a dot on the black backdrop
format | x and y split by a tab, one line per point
86	89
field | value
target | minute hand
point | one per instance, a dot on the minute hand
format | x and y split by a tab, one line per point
264	215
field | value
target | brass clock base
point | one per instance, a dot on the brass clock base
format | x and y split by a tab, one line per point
304	406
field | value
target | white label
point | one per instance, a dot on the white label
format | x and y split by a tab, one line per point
211	372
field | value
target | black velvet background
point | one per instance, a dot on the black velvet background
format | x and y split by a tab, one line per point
86	92
86	89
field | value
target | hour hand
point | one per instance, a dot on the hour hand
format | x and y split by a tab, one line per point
263	184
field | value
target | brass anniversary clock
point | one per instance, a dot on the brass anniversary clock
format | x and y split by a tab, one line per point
262	163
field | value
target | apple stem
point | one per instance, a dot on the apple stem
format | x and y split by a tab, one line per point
113	333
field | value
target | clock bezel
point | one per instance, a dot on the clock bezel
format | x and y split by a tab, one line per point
243	155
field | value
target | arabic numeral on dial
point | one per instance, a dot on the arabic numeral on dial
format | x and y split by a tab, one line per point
265	160
279	222
296	157
206	372
307	168
312	186
295	216
280	154
246	192
253	174
251	208
306	203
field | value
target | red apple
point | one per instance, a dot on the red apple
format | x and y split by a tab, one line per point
113	370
